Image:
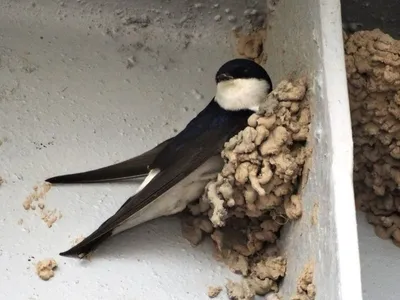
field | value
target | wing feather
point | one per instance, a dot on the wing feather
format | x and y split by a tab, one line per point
202	138
136	167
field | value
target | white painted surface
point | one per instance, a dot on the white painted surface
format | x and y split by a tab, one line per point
88	109
306	39
341	173
380	264
68	102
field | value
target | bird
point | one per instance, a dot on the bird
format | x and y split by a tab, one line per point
177	170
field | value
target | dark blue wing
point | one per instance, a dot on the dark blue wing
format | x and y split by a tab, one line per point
202	138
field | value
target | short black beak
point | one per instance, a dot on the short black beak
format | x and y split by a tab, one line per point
223	77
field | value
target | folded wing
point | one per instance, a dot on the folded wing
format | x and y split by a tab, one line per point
129	169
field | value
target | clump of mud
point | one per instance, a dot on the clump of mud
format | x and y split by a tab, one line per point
373	73
45	268
305	289
257	192
251	44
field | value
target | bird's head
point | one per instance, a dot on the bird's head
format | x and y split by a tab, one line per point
242	84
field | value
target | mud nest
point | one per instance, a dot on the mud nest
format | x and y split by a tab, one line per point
257	192
373	73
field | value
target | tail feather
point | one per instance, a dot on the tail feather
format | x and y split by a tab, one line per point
132	168
87	246
123	170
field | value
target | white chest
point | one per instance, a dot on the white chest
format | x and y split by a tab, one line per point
237	94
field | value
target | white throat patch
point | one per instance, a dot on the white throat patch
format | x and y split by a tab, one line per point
237	94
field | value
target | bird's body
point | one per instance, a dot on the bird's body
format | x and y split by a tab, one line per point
178	169
178	197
